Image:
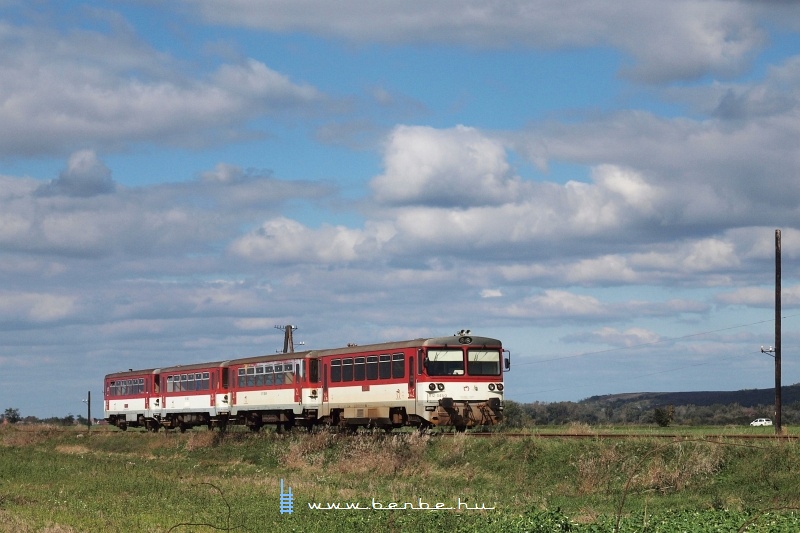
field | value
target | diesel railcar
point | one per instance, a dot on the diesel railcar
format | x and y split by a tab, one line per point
445	381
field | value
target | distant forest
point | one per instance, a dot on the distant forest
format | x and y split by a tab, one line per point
662	408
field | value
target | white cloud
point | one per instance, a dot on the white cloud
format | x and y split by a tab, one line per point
66	91
36	306
555	304
627	338
455	167
282	240
682	39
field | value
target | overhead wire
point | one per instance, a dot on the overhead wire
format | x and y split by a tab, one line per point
651	343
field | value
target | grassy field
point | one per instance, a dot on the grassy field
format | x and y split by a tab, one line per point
65	480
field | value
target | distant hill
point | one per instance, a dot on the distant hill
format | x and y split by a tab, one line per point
746	398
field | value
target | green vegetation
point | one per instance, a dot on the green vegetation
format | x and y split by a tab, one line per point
65	480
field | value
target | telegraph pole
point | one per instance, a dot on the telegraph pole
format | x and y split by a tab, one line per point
288	340
88	402
777	331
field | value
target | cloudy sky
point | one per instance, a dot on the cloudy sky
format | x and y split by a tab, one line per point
597	184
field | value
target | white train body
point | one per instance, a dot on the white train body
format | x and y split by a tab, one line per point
446	381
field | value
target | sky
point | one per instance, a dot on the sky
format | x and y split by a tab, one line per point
597	184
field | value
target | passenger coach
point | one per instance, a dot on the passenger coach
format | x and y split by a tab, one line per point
446	381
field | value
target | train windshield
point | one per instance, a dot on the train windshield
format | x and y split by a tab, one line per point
483	363
445	362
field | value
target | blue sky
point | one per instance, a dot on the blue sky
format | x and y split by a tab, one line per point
597	185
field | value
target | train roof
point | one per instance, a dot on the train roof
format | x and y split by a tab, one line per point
444	342
379	347
131	373
192	367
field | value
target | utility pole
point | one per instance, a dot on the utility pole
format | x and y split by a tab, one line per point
288	340
88	402
777	331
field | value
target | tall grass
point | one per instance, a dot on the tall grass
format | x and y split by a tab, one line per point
62	480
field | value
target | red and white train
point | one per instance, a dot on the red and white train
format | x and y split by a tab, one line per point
446	381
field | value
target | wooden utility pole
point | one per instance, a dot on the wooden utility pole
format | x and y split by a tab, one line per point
288	340
777	331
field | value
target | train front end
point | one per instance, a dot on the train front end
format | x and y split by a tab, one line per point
461	381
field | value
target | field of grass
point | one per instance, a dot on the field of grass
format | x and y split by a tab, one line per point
68	480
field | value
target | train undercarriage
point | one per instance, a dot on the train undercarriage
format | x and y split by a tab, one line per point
460	415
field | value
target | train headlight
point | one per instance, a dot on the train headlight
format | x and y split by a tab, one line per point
491	387
432	386
500	386
440	386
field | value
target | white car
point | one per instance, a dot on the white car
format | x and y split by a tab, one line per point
761	422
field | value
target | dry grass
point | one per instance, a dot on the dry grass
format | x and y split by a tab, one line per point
670	467
388	454
13	524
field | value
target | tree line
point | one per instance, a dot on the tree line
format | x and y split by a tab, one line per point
595	413
12	416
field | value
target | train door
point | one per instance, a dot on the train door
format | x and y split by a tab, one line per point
210	384
325	383
298	385
412	381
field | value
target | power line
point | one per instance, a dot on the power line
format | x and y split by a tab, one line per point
651	343
627	378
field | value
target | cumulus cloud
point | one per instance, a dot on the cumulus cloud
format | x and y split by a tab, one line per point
715	36
282	240
624	339
85	175
454	167
64	91
37	307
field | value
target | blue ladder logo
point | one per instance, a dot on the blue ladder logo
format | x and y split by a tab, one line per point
287	500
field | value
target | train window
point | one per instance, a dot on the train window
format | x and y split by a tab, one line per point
241	377
372	367
225	379
269	379
169	383
190	382
385	367
398	365
288	373
206	381
483	362
251	376
313	370
347	369
278	375
445	362
184	382
359	370
336	370
259	376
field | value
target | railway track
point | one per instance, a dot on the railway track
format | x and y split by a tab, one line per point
673	436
